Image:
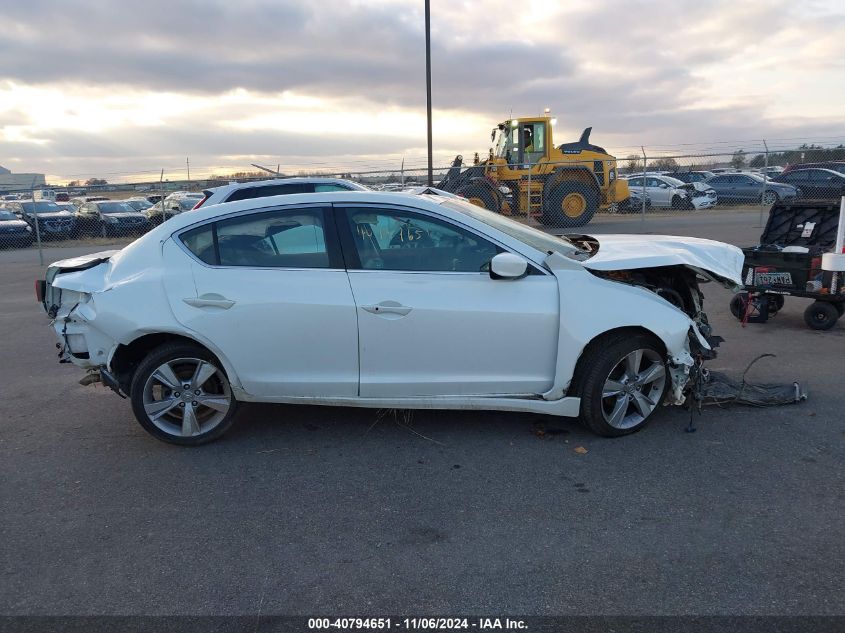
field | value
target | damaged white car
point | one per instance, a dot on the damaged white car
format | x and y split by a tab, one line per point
385	300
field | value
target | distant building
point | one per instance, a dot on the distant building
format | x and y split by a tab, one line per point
19	182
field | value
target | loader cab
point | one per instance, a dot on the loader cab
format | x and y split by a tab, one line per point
522	142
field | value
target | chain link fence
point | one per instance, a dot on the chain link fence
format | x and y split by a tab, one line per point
578	188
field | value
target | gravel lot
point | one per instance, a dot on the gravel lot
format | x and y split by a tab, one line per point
312	510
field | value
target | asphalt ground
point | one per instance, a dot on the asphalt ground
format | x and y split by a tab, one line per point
317	510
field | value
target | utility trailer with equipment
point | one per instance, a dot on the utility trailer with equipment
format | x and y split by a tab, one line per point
801	254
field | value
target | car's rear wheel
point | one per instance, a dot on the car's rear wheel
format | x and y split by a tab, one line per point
622	382
181	395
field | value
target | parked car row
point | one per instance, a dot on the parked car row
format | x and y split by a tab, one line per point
693	190
98	216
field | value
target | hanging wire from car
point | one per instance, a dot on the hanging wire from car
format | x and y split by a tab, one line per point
66	346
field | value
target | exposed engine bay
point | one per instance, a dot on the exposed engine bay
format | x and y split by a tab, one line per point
676	284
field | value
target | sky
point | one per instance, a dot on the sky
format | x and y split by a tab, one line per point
120	90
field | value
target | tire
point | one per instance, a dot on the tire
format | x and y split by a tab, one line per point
738	305
153	388
821	315
568	203
770	197
678	203
481	193
621	382
776	303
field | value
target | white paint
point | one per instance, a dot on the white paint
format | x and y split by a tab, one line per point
508	266
835	261
618	252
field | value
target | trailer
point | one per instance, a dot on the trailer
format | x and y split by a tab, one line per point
801	254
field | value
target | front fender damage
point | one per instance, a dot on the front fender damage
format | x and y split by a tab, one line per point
684	364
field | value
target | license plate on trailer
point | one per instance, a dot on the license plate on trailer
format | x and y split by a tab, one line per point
773	279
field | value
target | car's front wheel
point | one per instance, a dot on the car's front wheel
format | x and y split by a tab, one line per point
181	395
622	383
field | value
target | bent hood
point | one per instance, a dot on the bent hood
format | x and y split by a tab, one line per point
714	260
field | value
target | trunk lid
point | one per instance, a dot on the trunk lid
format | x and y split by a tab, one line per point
52	288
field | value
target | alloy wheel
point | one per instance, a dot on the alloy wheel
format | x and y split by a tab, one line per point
186	397
633	388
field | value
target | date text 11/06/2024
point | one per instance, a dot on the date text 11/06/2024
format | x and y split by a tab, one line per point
417	624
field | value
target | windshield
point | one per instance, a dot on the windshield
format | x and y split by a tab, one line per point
536	239
7	215
40	207
139	205
114	207
186	204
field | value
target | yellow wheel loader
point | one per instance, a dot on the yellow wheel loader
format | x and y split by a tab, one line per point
526	174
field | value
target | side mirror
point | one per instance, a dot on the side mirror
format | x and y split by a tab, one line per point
508	266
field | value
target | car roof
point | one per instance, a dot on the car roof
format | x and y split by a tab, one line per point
315	180
830	171
211	212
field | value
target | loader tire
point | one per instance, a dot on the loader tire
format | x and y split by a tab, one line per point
482	194
569	203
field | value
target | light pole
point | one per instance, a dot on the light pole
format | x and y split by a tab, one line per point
428	86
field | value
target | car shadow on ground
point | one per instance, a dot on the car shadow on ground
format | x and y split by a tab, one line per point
307	426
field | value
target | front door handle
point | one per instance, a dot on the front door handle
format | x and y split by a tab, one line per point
210	300
388	307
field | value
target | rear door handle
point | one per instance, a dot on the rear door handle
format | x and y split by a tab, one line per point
388	307
210	300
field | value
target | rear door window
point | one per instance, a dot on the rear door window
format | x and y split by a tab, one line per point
289	238
200	242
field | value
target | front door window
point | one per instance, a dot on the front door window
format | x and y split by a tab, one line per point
410	242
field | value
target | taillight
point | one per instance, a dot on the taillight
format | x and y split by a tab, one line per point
40	290
200	203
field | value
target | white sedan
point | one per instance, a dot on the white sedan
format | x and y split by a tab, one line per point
668	192
384	300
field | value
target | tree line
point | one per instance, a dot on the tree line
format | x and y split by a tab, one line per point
739	160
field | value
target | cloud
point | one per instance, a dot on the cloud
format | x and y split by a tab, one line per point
218	79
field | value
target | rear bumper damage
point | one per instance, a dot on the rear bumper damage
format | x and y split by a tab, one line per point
79	342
